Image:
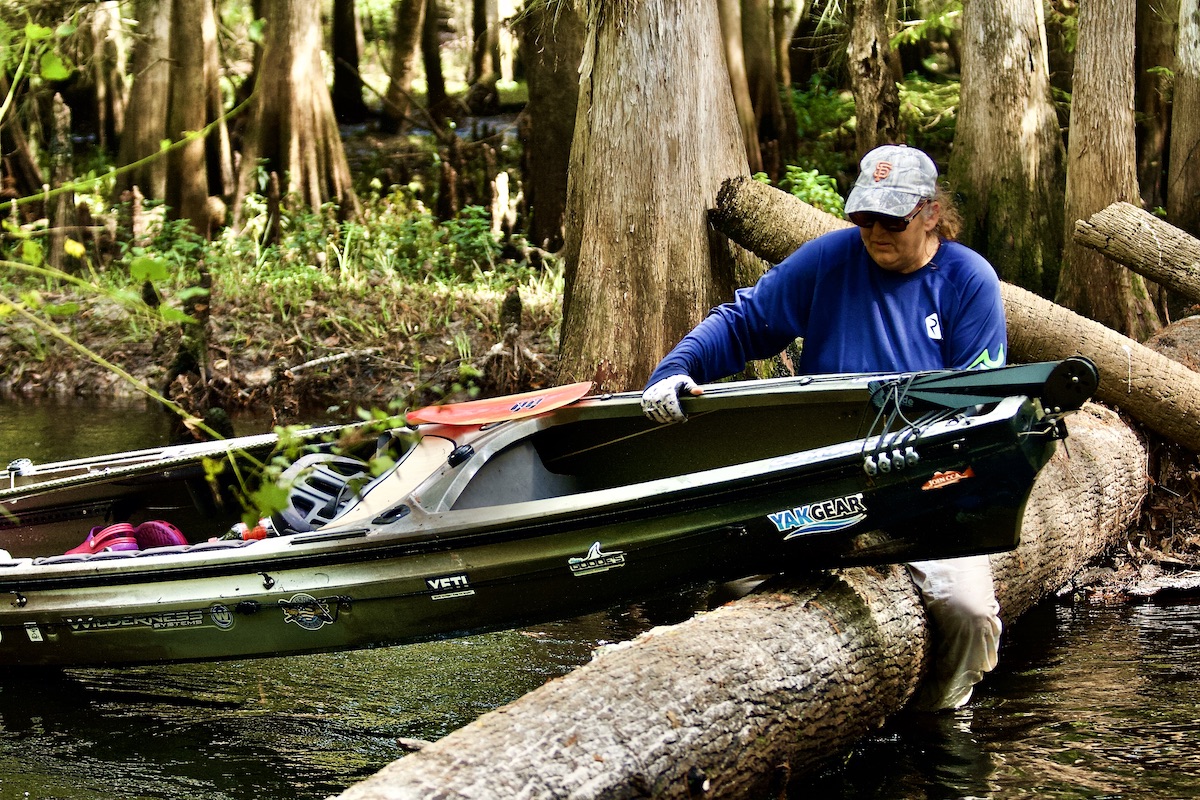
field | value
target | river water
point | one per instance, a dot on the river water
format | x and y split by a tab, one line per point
1088	701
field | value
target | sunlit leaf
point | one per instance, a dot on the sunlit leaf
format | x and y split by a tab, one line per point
191	293
13	228
62	309
53	68
32	253
36	33
269	498
32	299
171	314
255	31
74	249
145	268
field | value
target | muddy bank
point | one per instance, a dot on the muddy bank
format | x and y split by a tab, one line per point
462	342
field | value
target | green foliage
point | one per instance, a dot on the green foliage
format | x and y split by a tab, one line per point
813	188
940	22
928	114
823	126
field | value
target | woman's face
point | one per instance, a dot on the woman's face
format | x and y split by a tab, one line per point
908	250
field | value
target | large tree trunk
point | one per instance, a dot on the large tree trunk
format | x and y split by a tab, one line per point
193	30
1012	199
1160	393
346	35
735	59
876	98
482	97
758	49
436	98
1183	180
1157	21
291	126
730	703
655	135
146	126
406	37
551	46
107	65
1100	168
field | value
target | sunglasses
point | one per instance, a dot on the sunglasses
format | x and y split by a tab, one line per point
867	219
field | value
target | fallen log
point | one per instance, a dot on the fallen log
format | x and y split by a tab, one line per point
733	702
1160	393
1146	244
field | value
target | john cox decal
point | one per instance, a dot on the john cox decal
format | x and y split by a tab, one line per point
595	561
826	516
941	480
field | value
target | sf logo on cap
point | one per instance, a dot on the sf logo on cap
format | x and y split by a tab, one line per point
882	170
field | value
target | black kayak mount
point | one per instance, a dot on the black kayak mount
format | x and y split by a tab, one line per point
1062	386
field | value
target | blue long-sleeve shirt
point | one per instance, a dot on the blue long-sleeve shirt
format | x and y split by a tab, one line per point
853	315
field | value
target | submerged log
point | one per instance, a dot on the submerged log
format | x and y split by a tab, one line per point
733	702
1146	244
1160	393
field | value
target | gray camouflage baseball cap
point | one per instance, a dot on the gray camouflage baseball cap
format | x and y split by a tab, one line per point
892	179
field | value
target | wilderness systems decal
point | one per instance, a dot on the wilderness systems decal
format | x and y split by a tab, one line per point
825	516
310	613
163	620
596	561
446	587
941	480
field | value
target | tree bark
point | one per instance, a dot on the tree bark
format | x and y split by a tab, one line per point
187	191
1160	393
107	67
642	265
1012	198
1157	21
436	98
552	46
758	48
735	59
1156	250
1101	168
346	35
291	127
146	124
876	98
481	97
406	37
732	702
1183	177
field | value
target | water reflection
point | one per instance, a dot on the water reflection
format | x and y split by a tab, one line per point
303	727
1088	702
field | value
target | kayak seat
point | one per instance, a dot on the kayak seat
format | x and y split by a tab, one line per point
320	486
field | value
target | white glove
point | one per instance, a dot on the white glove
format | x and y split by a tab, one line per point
660	401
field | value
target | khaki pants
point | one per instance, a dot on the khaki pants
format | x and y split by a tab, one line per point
961	601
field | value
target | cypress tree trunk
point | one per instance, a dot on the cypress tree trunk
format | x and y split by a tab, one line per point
1100	169
291	125
643	266
1008	152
